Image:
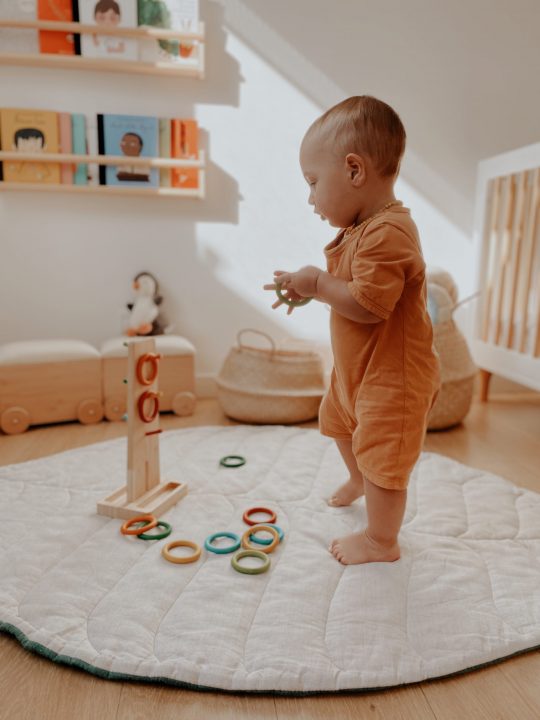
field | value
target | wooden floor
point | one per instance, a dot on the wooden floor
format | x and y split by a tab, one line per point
501	436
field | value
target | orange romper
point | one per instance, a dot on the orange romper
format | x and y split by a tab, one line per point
386	374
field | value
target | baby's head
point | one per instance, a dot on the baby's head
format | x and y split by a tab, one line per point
350	156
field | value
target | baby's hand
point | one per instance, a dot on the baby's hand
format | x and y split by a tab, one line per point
295	286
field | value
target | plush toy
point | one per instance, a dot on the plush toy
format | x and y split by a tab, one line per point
144	312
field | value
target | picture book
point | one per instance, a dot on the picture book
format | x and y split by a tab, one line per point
130	136
165	150
66	146
80	147
18	40
184	144
29	131
109	14
60	43
174	15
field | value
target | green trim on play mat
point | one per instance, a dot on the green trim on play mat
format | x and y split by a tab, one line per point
107	675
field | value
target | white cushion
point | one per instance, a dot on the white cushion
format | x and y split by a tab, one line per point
165	344
41	351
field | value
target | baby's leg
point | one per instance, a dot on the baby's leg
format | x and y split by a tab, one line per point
379	541
354	487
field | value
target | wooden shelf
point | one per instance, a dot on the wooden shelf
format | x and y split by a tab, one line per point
69	158
184	68
105	190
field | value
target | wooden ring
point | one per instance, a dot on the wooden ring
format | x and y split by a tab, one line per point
254	510
167	529
257	528
262	541
237	461
249	570
148	395
126	528
291	303
177	558
151	358
223	550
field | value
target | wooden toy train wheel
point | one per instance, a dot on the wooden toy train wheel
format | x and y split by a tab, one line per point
115	408
15	420
89	411
184	403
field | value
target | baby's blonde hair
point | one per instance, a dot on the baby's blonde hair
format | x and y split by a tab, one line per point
366	126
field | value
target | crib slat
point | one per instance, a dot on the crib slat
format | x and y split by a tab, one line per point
515	242
530	248
502	260
489	248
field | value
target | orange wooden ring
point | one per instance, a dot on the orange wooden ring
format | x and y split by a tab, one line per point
254	510
178	558
150	519
151	358
148	395
263	548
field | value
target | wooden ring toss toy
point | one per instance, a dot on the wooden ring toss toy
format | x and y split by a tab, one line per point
178	558
154	397
250	570
288	301
127	528
223	550
232	461
247	519
167	529
255	529
263	541
151	358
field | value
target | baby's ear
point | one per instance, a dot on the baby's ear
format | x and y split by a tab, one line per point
356	168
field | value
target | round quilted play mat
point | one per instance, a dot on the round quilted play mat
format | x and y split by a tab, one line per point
465	592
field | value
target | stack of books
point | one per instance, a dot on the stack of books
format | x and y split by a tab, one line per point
127	136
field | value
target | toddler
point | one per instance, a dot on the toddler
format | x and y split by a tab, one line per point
386	373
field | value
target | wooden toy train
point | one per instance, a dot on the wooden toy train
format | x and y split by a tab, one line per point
50	381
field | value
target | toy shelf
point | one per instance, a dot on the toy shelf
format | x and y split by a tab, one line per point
69	158
186	68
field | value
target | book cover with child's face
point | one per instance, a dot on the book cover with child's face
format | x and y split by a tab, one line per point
108	14
29	132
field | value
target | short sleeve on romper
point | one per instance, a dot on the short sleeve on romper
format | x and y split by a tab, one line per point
379	268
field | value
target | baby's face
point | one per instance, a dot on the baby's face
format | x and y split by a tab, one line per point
329	189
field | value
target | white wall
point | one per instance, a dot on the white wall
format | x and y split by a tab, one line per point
66	263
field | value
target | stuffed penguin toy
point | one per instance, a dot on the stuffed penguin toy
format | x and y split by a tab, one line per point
144	312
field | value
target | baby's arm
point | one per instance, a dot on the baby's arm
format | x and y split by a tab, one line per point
313	282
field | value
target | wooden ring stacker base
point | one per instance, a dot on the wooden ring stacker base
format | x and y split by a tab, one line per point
258	528
147	395
126	528
151	358
178	558
252	511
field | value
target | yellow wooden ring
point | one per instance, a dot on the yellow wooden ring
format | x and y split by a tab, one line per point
177	558
150	519
258	528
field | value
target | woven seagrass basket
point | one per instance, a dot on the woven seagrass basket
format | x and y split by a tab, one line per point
270	386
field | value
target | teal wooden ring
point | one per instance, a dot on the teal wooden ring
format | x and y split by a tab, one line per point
291	303
249	570
157	536
238	461
262	541
222	551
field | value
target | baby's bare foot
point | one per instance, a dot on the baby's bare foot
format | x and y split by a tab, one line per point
346	494
360	548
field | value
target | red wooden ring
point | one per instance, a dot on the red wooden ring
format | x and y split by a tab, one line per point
254	510
149	519
151	358
155	409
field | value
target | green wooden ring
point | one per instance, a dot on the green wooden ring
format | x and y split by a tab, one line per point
291	303
239	461
249	570
158	536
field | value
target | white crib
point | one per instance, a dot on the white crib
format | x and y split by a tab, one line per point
506	338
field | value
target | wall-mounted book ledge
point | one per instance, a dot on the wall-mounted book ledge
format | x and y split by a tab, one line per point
134	162
184	66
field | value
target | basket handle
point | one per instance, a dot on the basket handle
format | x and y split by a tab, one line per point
257	332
